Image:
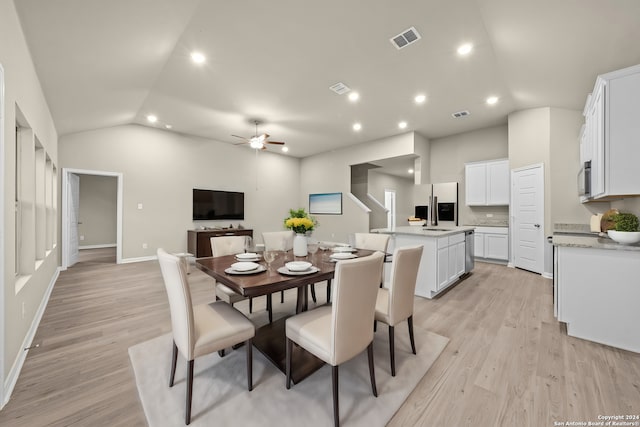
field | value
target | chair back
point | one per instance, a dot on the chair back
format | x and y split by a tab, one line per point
404	272
372	241
356	284
227	245
177	285
278	240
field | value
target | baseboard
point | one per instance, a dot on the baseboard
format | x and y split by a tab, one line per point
106	245
140	259
547	275
14	373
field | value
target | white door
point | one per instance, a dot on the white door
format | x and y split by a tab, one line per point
74	211
390	205
527	218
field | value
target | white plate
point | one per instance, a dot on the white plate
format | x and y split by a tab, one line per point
260	269
247	256
286	271
340	249
257	258
341	255
298	265
244	266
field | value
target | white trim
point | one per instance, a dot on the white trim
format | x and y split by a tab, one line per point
65	214
547	275
377	203
3	395
359	203
106	245
12	378
140	259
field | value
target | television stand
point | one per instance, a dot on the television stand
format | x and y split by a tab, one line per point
199	241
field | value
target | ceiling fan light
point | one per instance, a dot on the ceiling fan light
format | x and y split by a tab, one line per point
256	142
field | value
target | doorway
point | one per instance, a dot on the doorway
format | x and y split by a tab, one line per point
527	218
70	202
390	205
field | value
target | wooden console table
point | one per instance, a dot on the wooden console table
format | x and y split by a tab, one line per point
199	241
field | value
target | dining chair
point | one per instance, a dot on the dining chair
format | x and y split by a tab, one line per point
201	329
368	241
336	333
282	241
395	304
231	245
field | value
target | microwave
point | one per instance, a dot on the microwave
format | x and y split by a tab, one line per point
584	180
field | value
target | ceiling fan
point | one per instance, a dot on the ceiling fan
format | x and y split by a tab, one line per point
258	142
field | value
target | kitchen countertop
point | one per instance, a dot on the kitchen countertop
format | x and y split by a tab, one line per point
594	242
420	231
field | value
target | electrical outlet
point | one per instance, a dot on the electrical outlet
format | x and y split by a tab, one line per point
140	206
145	246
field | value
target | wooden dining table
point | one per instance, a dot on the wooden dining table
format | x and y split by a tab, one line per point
270	339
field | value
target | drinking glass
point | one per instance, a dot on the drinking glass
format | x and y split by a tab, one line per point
312	247
269	257
248	243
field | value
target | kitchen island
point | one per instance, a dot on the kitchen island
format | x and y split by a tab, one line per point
596	289
445	256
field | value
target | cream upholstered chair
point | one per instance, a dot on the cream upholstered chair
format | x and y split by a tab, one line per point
281	241
231	245
372	241
202	329
336	333
395	304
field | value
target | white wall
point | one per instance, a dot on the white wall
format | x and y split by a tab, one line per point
378	183
98	210
161	168
22	88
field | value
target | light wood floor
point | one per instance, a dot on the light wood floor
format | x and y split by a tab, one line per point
508	361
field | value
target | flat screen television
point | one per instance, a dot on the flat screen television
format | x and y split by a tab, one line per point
215	204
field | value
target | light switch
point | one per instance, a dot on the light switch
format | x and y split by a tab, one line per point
139	205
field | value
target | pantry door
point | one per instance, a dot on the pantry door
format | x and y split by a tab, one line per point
527	218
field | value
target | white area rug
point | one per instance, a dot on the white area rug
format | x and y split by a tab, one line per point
220	396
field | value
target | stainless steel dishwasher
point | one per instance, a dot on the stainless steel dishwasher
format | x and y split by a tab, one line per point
469	252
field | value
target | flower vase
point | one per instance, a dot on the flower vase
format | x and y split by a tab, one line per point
300	245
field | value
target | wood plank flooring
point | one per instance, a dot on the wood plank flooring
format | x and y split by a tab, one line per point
508	362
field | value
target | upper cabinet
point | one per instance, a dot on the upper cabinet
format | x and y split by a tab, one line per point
611	133
487	183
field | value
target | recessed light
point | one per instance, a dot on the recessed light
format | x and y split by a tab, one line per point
420	99
410	171
492	100
197	57
402	125
168	126
354	96
285	149
465	49
357	126
151	118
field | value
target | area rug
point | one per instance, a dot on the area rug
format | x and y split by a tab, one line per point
220	396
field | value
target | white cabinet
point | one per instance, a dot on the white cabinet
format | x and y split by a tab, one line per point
492	243
612	131
450	259
487	183
442	262
597	295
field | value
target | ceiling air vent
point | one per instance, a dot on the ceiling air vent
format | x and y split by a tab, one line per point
340	88
459	114
405	38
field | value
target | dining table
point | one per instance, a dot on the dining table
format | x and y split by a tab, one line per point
270	339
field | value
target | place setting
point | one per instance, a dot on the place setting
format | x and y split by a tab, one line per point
245	267
297	268
248	256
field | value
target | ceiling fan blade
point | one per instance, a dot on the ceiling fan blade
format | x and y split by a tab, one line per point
241	137
274	142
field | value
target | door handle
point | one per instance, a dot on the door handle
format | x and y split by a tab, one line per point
536	225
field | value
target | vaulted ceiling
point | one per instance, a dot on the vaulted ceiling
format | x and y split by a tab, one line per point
107	63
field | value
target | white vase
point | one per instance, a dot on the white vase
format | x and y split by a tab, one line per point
300	245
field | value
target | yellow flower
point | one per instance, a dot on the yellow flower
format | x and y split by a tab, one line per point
299	221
